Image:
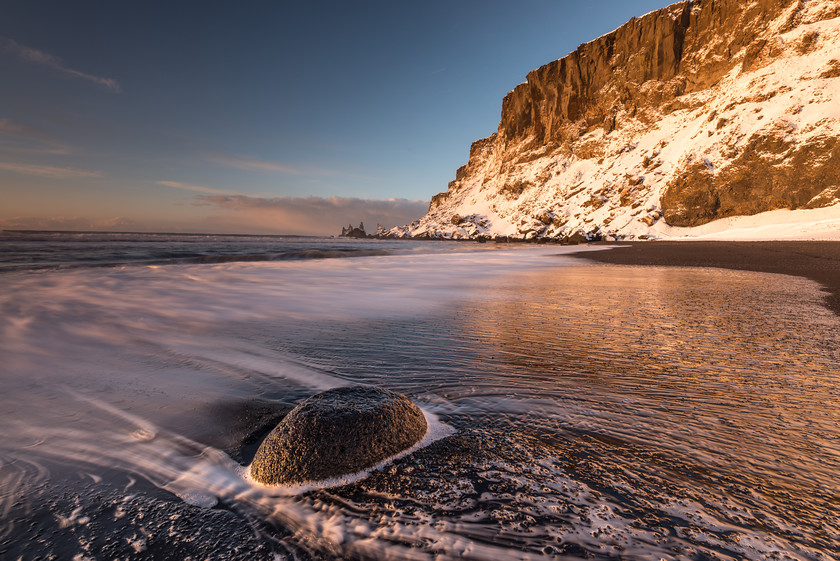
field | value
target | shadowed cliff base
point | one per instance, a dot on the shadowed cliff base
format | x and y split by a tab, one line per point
818	261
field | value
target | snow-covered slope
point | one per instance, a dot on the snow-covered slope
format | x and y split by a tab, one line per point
702	111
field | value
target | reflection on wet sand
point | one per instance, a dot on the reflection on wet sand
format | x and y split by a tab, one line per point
736	371
601	412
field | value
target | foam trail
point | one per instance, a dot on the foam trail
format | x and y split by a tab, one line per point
202	476
612	412
253	359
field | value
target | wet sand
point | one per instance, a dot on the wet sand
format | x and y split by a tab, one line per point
662	421
815	260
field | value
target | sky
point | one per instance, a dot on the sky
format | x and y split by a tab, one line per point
259	117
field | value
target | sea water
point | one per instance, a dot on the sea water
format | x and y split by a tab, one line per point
591	411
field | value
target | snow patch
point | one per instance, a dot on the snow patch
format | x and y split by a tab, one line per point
812	224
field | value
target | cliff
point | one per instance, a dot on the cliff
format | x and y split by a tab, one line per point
703	110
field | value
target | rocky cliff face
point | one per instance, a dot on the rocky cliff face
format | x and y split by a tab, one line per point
702	110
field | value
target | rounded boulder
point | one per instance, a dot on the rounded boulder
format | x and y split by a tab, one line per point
338	432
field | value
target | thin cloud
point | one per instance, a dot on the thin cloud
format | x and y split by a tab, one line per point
14	129
195	188
251	164
21	138
254	164
35	56
314	215
52	172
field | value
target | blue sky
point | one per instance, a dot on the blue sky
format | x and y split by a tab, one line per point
259	117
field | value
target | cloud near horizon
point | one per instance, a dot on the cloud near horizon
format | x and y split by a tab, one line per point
35	56
314	215
194	188
243	214
68	223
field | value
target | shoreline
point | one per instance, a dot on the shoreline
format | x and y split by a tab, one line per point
815	260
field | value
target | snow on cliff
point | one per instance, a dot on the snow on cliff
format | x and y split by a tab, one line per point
725	109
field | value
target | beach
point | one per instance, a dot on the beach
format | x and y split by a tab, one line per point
815	260
592	410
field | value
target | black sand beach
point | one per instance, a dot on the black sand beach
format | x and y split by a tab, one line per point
815	260
599	411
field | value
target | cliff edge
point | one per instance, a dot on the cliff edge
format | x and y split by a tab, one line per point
703	110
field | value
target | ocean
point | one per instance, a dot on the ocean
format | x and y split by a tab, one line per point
587	411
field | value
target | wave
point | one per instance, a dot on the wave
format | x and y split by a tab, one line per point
180	258
283	256
96	236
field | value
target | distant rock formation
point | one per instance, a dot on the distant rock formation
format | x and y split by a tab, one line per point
702	110
351	232
338	432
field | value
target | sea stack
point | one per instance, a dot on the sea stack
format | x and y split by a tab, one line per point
338	432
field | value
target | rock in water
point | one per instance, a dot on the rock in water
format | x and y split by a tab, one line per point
338	432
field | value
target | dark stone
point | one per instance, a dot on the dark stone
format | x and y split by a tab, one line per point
356	233
338	432
832	70
575	238
770	173
438	199
683	48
